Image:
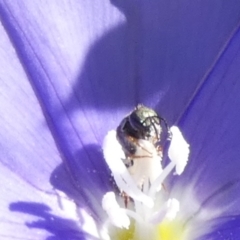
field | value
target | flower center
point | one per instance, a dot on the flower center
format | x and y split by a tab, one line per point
171	230
167	230
150	214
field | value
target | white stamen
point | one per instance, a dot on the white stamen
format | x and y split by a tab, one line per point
178	151
117	215
113	155
173	208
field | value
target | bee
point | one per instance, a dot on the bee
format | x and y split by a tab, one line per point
142	123
139	134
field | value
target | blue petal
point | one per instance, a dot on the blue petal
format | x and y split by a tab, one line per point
171	46
211	125
87	64
230	229
28	152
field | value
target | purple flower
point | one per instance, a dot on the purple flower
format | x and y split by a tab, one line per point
71	70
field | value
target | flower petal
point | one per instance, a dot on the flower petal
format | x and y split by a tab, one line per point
212	128
229	230
42	49
27	158
53	52
27	147
172	44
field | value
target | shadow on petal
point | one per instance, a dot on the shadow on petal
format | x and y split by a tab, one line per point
62	229
156	57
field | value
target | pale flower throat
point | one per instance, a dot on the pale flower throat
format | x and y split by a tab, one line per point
151	214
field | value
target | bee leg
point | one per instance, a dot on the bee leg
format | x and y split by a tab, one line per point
126	199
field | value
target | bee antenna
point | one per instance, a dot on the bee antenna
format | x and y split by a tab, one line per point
169	138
